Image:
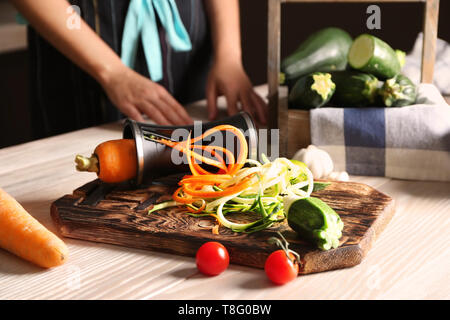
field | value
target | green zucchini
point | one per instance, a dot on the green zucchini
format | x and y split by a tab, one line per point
372	55
315	221
399	91
354	89
325	50
312	91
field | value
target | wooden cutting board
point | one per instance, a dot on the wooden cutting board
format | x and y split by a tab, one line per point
117	214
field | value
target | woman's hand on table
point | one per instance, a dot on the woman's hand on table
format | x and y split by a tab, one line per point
130	92
228	78
135	95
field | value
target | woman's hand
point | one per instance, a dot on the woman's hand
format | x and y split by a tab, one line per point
228	78
134	95
131	93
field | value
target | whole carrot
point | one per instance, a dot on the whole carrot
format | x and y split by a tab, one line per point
24	236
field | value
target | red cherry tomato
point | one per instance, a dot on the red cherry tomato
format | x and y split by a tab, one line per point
212	258
279	268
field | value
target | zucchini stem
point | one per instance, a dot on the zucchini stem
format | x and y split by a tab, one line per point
87	164
323	84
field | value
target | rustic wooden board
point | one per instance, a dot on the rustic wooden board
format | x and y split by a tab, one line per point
118	215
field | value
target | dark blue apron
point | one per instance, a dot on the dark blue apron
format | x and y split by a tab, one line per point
65	98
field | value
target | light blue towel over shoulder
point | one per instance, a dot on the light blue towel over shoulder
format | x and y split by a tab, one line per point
141	23
20	19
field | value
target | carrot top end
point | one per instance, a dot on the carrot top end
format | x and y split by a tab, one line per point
87	164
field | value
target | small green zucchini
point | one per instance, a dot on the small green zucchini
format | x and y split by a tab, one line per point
315	221
399	91
325	50
372	55
312	91
354	89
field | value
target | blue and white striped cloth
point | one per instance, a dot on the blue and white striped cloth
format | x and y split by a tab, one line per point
411	142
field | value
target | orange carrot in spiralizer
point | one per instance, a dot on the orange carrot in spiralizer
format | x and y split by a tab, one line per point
113	161
24	236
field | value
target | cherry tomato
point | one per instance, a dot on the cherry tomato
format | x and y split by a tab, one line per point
212	258
279	268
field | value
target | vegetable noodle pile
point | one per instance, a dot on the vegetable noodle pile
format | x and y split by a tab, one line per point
241	185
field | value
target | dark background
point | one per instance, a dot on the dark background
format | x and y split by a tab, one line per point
400	24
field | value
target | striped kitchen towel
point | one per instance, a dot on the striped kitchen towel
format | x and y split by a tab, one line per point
411	142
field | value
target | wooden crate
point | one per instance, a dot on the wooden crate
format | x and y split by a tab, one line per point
296	134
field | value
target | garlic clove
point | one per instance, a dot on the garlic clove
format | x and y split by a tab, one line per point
317	160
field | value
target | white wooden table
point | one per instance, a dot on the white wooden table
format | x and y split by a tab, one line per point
410	260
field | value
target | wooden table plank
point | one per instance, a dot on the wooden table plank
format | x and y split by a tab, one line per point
46	150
